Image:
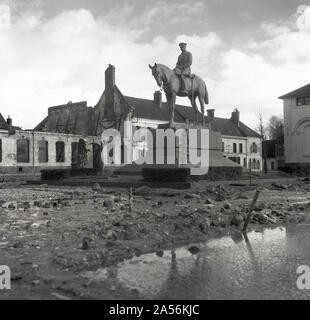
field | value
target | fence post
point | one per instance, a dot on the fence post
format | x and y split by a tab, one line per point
248	218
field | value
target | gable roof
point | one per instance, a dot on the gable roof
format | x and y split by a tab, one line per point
148	109
3	124
300	92
229	128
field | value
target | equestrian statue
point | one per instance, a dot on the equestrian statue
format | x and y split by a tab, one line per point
180	82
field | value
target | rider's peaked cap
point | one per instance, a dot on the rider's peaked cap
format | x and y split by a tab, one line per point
182	44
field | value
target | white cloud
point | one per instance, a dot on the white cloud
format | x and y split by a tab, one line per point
303	20
45	63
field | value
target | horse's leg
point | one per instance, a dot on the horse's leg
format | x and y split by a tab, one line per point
172	106
202	105
194	105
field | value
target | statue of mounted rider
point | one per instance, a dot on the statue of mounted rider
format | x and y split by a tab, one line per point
183	67
180	82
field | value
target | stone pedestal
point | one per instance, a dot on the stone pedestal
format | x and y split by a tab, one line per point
183	145
176	154
207	145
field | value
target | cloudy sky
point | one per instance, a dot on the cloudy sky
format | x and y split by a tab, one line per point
249	52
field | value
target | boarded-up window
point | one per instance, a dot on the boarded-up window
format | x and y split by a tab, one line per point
23	150
43	151
0	150
60	151
75	153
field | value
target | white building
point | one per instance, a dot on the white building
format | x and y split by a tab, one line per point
239	143
296	107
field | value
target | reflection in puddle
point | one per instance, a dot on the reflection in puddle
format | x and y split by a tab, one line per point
260	266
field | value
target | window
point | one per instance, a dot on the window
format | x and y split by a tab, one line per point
43	150
240	148
254	164
23	150
223	146
272	165
0	150
244	162
60	151
254	148
303	101
235	148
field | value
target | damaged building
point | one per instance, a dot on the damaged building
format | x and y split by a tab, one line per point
29	151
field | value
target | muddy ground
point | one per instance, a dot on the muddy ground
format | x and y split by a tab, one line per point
49	235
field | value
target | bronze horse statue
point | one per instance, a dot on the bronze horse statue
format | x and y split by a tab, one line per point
170	82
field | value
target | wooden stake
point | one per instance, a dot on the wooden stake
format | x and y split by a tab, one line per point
130	198
250	172
248	218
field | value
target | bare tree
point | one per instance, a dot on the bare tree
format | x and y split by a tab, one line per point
275	128
262	130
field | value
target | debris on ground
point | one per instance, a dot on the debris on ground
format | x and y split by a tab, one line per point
78	229
141	191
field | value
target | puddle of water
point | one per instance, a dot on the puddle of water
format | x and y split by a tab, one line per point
264	267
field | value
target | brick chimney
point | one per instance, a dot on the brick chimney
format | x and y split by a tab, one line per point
109	88
210	113
158	98
9	121
235	117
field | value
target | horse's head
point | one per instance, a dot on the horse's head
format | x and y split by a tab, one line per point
157	74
